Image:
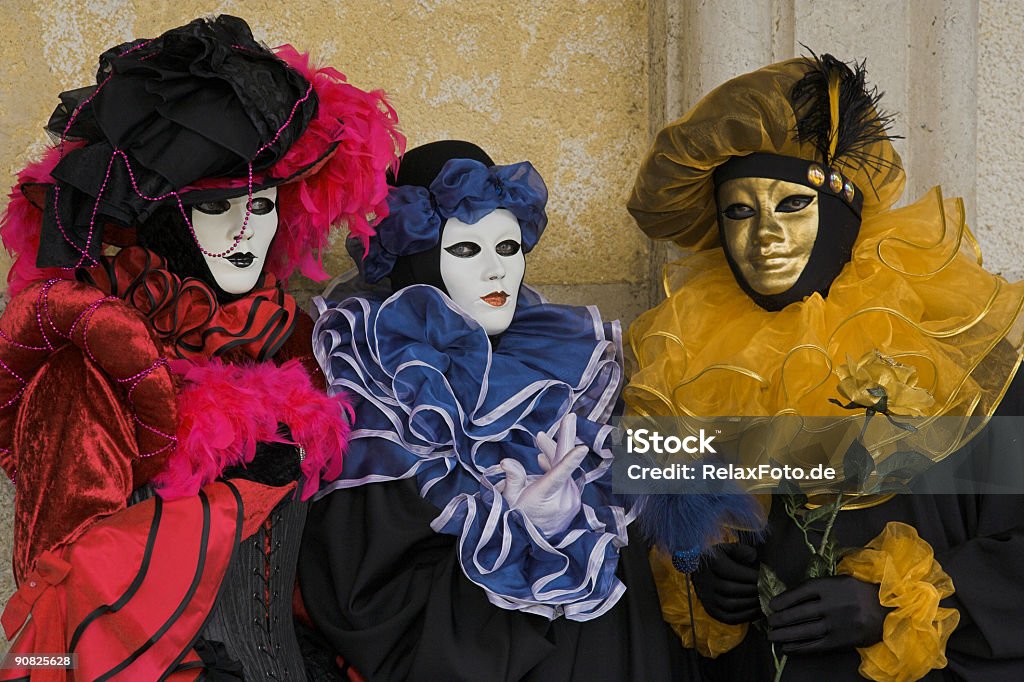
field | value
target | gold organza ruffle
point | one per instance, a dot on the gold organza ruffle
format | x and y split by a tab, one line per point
914	290
673	197
911	582
713	637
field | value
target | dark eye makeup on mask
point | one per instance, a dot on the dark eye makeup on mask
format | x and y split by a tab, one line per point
791	204
509	247
794	203
463	249
215	207
260	206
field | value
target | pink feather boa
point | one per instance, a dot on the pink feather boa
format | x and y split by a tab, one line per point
21	222
225	409
350	188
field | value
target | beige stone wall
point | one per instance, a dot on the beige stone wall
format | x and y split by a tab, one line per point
1000	153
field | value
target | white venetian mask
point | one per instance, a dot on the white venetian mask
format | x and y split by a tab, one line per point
482	266
217	224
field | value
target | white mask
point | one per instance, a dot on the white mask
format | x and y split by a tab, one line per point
217	224
482	266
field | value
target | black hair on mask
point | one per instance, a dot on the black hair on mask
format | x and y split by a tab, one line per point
166	234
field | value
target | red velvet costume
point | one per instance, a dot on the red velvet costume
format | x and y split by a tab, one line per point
131	375
88	372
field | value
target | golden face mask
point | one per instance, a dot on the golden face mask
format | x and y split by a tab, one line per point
769	227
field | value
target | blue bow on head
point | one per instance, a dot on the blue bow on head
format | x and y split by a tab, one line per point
464	189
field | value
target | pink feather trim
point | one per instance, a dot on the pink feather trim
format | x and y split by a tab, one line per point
225	409
350	188
22	221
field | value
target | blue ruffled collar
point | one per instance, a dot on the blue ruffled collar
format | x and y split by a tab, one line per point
424	376
435	401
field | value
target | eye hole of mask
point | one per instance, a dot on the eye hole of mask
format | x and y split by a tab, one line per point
794	203
215	207
463	249
509	247
738	212
262	205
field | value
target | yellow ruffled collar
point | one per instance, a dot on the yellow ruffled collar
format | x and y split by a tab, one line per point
914	292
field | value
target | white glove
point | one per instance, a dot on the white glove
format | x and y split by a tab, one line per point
550	500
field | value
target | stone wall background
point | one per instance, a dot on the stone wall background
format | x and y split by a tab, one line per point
578	87
559	83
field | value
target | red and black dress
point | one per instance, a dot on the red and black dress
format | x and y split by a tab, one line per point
132	380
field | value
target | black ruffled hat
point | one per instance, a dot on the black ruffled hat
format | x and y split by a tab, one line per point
202	101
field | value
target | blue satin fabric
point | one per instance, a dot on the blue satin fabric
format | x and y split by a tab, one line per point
464	189
468	190
435	401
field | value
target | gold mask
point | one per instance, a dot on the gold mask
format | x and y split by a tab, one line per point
769	227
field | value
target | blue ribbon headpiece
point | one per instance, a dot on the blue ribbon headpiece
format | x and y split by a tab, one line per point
464	189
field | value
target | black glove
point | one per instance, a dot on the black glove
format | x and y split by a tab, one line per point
727	584
825	614
273	464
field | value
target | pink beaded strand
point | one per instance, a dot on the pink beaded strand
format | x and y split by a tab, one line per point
41	305
17	344
87	316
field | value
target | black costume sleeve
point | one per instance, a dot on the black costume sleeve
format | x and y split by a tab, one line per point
987	570
987	576
387	594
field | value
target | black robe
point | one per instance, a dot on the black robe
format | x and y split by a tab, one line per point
387	594
978	540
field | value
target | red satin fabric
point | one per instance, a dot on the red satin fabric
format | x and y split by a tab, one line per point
186	315
151	570
81	368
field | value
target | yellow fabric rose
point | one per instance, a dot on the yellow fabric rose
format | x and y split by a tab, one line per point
859	383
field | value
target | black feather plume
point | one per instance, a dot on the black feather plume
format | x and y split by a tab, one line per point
861	122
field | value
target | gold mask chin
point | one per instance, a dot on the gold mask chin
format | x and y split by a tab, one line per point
769	227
